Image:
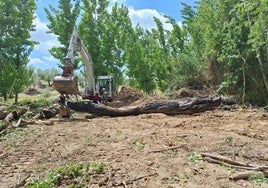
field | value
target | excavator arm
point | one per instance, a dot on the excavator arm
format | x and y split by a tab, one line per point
67	82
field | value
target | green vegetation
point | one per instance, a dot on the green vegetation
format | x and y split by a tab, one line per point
36	103
139	145
228	168
69	174
258	179
195	157
15	46
221	44
229	139
18	133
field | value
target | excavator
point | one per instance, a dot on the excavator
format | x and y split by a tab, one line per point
67	82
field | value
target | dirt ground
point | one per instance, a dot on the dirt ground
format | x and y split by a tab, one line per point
152	150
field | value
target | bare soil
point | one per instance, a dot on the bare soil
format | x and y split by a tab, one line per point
137	150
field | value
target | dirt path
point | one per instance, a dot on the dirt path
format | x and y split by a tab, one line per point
133	149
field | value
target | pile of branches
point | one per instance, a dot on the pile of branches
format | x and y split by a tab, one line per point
245	169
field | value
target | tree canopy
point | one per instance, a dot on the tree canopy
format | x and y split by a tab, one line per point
15	45
221	44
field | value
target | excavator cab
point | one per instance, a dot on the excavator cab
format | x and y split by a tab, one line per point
106	82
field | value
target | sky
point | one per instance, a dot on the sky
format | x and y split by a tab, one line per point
140	11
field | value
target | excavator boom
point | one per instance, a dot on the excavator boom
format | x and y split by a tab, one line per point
67	82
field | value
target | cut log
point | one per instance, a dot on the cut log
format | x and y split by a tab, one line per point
15	115
62	110
3	113
191	106
48	113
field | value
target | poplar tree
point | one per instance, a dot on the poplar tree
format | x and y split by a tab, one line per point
15	45
62	22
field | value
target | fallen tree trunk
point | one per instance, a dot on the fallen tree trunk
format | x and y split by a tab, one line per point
191	106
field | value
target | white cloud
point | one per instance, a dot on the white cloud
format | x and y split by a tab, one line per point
144	18
46	40
49	58
36	61
118	1
45	62
40	57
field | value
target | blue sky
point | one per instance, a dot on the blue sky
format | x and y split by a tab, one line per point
140	11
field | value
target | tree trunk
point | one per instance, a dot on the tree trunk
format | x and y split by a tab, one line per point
191	106
258	54
16	98
4	96
262	70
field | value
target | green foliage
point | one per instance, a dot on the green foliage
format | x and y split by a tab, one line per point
195	157
65	175
229	139
62	22
36	103
258	178
15	45
46	75
229	169
42	102
139	145
17	133
221	44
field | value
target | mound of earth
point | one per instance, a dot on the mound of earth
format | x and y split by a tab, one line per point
186	92
127	96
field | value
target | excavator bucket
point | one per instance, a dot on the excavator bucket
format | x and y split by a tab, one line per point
66	84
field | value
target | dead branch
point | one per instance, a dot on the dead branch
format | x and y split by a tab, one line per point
224	159
166	149
244	175
141	177
22	182
227	164
251	169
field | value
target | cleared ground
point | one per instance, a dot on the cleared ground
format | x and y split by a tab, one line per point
152	150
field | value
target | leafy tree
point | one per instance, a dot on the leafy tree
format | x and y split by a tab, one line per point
62	22
140	70
7	78
256	13
115	36
15	44
47	75
92	28
230	38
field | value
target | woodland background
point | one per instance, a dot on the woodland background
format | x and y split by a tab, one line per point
220	44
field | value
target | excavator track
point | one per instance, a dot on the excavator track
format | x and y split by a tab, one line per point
66	84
